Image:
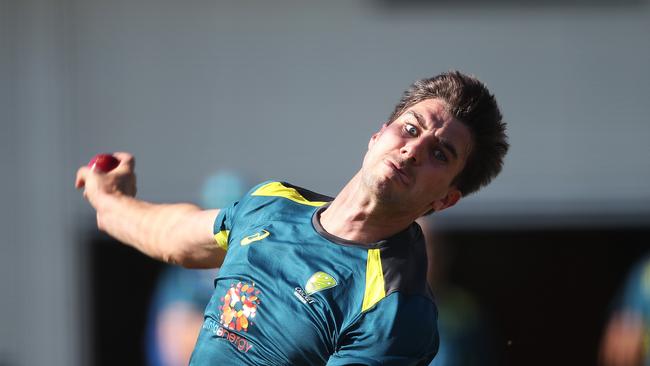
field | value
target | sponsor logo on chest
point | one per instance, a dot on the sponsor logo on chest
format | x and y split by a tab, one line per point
238	307
236	340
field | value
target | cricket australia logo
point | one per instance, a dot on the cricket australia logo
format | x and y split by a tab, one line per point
319	281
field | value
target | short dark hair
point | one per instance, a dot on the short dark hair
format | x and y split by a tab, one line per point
469	101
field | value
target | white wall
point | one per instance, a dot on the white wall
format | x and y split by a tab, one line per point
292	91
40	321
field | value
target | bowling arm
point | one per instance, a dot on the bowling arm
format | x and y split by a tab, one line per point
174	233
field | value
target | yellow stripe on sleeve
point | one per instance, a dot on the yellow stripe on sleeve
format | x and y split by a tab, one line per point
276	189
222	239
375	289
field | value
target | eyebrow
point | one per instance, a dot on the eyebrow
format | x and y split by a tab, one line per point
444	142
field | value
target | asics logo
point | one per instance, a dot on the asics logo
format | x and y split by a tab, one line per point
255	237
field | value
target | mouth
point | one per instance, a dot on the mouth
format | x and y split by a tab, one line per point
403	177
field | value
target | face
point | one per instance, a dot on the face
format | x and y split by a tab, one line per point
412	162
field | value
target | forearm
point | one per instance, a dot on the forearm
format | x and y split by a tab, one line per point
174	233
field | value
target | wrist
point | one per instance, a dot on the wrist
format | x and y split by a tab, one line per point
107	202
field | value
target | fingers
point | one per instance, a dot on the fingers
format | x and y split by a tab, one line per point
127	183
80	180
121	179
125	159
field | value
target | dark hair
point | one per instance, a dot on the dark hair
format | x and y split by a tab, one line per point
469	101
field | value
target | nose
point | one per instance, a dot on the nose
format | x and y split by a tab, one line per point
411	152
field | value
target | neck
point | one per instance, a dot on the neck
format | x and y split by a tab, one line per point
358	216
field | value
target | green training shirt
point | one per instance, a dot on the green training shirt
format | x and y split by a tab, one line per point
289	293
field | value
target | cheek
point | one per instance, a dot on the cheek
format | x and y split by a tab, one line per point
369	160
389	138
434	185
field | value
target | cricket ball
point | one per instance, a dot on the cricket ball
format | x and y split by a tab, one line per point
103	163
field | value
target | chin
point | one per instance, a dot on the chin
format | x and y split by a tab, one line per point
387	193
384	188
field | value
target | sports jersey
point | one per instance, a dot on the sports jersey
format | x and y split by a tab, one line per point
289	293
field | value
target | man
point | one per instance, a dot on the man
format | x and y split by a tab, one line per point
311	280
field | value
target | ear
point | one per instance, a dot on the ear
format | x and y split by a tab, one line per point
452	197
376	135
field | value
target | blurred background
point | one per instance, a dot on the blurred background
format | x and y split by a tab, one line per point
292	90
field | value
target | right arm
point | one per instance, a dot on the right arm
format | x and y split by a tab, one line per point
174	233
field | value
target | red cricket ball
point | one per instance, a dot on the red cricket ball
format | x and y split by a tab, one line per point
103	163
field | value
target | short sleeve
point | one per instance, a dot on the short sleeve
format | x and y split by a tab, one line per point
228	216
223	224
399	330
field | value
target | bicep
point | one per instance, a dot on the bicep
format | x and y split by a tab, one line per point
200	249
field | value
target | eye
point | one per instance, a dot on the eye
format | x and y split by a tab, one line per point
439	155
410	129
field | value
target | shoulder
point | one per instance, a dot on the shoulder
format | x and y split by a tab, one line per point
272	200
283	190
272	195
